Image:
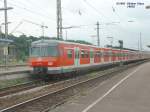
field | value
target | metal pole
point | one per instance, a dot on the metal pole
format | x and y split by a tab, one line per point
112	42
6	19
60	11
42	27
42	32
121	48
59	20
0	30
66	35
98	38
6	30
57	11
138	45
141	41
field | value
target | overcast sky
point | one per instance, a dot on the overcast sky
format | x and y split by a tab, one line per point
86	13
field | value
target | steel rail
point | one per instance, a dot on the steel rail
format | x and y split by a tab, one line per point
20	87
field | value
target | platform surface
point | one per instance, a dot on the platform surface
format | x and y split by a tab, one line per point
14	69
128	91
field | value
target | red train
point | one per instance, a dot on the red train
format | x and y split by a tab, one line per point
57	57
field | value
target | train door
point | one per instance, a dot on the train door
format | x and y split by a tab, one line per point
77	57
110	55
91	56
102	57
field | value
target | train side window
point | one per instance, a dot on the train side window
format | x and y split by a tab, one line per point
110	53
118	54
106	54
113	54
82	54
98	54
86	54
70	53
102	54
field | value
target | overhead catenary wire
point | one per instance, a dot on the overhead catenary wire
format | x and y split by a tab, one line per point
31	11
96	10
23	4
39	14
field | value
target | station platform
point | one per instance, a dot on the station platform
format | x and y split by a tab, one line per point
128	91
8	70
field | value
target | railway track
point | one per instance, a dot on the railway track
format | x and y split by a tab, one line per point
21	87
58	93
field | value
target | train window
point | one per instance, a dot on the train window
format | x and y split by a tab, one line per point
110	53
125	54
113	54
98	54
52	51
118	54
44	51
84	54
70	53
106	54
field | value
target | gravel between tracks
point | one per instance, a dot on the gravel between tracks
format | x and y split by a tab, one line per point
21	87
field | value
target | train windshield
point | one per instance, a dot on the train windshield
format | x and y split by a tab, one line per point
44	51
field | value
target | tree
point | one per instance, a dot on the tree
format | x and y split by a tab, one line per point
23	43
80	41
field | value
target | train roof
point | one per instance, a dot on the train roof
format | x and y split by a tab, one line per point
57	42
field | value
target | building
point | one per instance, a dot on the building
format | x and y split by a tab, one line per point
6	50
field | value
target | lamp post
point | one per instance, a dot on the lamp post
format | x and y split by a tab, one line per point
121	47
70	27
5	9
1	27
0	30
42	26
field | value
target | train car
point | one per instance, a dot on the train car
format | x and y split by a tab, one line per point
58	57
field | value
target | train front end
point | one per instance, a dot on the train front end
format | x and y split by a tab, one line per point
44	57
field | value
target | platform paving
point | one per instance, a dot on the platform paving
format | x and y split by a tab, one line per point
128	91
14	69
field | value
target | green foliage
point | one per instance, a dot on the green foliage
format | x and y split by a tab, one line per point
80	41
22	44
